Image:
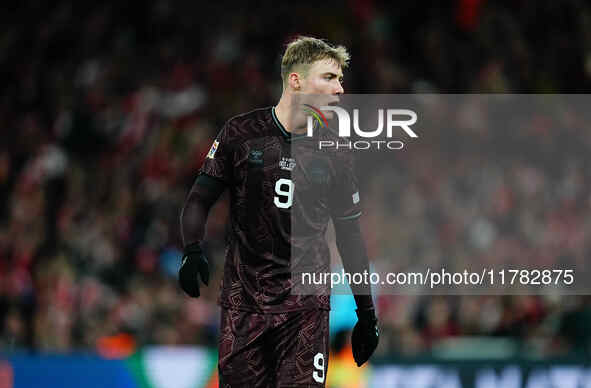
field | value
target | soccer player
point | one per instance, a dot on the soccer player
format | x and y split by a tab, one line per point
283	194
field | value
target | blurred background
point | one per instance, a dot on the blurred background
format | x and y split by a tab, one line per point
108	109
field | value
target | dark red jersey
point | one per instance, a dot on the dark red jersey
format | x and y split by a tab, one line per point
283	192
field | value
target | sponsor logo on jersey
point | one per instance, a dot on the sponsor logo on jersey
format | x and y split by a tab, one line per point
213	149
287	163
255	157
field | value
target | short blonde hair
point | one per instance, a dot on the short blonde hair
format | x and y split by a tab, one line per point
305	50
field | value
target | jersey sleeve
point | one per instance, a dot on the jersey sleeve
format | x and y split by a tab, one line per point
344	198
218	162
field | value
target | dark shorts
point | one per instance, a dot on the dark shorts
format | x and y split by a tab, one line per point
273	350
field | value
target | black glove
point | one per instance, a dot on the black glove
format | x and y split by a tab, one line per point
365	337
194	264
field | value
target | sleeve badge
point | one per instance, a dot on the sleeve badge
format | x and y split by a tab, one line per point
213	149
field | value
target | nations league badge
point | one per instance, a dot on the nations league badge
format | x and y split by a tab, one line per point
213	149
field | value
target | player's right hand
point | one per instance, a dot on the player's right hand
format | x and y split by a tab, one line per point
193	266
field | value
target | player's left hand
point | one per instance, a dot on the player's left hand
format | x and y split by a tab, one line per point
365	337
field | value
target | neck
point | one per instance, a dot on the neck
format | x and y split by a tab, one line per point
289	116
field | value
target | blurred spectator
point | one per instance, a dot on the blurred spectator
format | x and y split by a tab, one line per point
109	109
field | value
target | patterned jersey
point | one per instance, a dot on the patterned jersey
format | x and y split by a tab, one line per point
283	192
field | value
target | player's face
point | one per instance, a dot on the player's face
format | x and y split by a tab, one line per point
324	82
324	77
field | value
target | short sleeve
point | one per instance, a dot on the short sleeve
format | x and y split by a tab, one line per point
345	202
218	161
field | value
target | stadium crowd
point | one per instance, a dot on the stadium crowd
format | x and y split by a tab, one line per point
108	110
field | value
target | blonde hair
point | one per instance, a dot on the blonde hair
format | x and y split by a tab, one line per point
305	50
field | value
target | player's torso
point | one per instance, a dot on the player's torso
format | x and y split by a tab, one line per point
280	194
279	216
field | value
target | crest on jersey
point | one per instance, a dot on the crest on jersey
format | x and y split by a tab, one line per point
213	149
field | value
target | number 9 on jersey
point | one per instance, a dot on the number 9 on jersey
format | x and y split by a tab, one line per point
284	190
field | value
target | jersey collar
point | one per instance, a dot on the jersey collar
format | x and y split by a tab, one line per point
286	135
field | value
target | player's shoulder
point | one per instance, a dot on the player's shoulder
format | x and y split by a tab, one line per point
248	125
255	114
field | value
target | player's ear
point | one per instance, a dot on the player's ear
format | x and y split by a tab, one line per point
295	81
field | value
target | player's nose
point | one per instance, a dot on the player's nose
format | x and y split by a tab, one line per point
339	89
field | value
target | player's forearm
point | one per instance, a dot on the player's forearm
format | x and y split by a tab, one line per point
204	193
354	255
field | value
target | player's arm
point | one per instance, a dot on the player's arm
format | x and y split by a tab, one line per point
204	193
215	175
350	244
346	210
